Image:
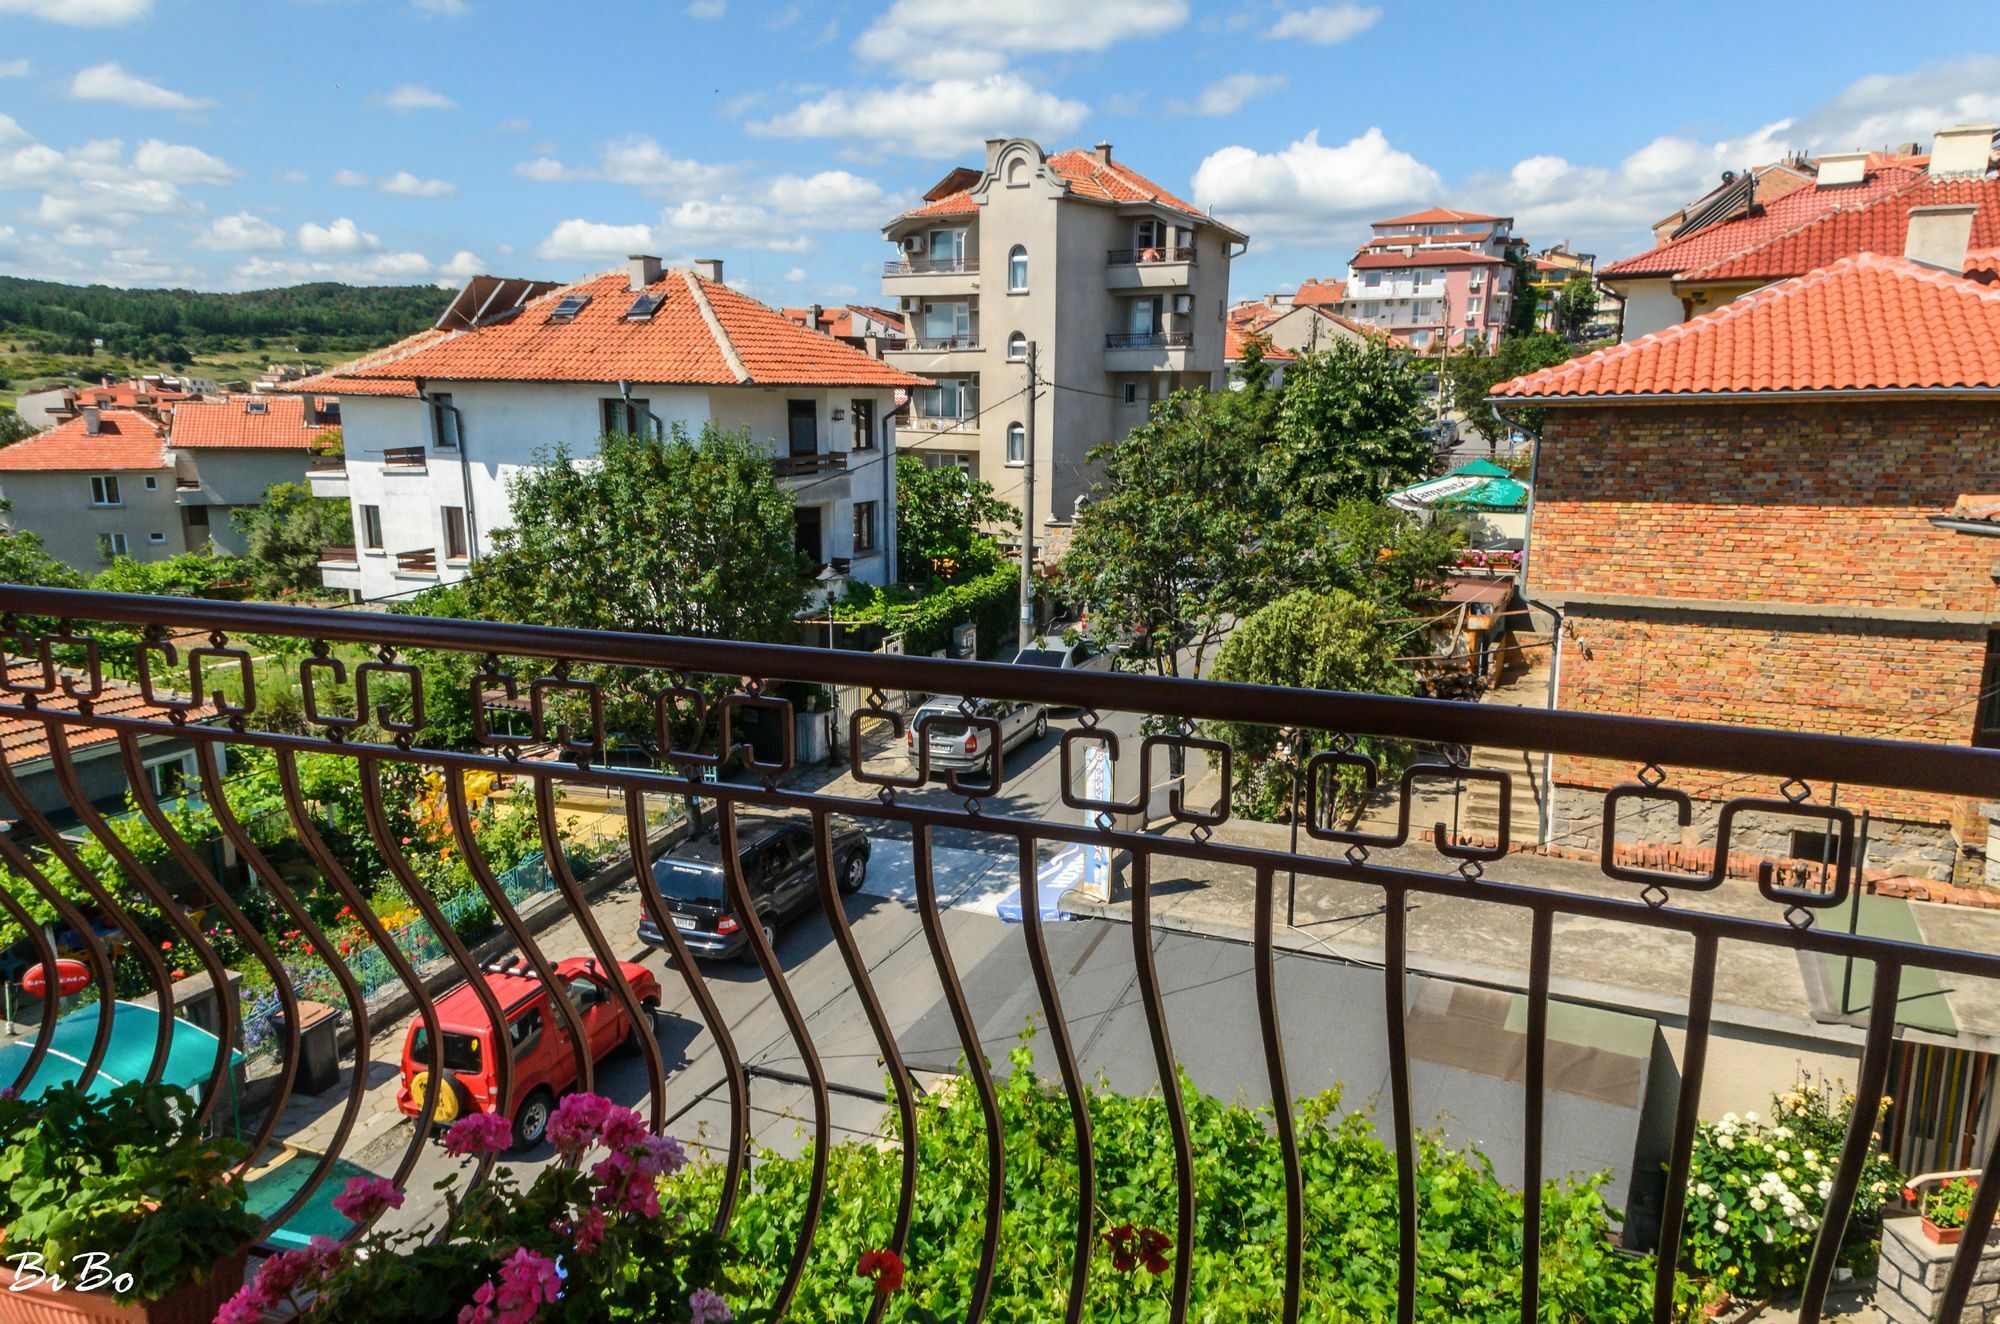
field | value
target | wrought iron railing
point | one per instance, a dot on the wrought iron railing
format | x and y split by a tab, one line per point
934	344
421	561
365	690
808	466
404	457
1146	257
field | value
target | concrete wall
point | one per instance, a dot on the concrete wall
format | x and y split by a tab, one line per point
1651	305
230	478
56	506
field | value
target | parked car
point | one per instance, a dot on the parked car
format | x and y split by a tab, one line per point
544	1063
1051	651
955	745
779	868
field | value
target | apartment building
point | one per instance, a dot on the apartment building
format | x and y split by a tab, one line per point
1437	276
436	425
228	452
872	329
1121	287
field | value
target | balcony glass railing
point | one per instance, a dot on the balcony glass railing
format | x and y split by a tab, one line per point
930	266
1149	340
1128	257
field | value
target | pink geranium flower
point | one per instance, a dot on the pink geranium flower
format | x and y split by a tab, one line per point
578	1123
478	1133
709	1308
366	1198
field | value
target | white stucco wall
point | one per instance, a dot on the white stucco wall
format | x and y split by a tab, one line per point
1651	305
56	506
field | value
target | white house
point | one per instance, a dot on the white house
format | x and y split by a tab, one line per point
435	425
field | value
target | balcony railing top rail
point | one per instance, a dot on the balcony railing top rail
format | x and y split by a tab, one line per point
404	457
327	464
423	560
929	266
934	343
1143	257
335	555
1149	340
806	466
58	643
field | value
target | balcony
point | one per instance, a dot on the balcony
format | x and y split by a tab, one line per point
326	475
337	556
931	275
1347	959
1164	268
421	563
966	425
809	466
931	266
1148	351
404	457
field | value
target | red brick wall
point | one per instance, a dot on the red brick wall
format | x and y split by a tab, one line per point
1779	502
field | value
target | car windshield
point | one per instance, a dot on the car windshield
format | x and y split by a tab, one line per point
461	1051
1041	657
688	882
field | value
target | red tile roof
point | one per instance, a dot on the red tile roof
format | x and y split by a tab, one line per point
1235	337
127	393
705	334
127	439
1404	240
1866	323
1437	216
261	422
1426	257
24	740
1761	224
1316	293
1087	177
951	204
1878	226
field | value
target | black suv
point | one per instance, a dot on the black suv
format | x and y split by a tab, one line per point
779	868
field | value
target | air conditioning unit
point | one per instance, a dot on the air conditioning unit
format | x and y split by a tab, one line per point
913	243
1183	303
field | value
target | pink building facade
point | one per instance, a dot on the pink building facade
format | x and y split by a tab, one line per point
1435	276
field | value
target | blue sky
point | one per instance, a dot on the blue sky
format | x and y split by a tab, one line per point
246	143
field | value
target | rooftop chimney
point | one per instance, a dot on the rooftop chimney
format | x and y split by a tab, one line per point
1104	153
1963	149
813	314
645	270
1938	235
1837	168
709	269
93	420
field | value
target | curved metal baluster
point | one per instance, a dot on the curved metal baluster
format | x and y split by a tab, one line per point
1534	1088
149	956
1860	1138
370	770
261	869
711	1014
1073	1084
45	951
482	873
100	960
975	1065
795	1022
1282	1117
1972	1245
170	910
593	934
885	1038
336	873
1694	1061
149	805
1170	1082
1395	970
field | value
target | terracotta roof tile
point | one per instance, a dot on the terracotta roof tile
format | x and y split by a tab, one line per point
1315	293
1864	323
1437	216
23	740
127	439
1763	223
1426	257
263	422
951	204
1878	226
1087	177
1235	337
677	346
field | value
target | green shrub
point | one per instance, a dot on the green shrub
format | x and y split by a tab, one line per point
991	601
1951	1203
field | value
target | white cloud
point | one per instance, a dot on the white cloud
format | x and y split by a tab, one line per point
1327	25
84	236
707	9
410	96
180	163
291	176
350	179
343	236
581	240
405	184
635	159
517	124
81	13
1226	96
796	276
699	223
544	168
978	36
1310	191
1883	109
241	233
96	200
110	82
443	8
11	130
13	68
831	200
380	269
931	120
464	265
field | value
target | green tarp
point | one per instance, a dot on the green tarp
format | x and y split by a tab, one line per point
135	1033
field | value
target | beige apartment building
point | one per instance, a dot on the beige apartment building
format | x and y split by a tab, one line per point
1122	288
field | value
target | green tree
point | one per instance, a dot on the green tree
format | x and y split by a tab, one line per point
13	428
286	534
1255	374
1576	307
1381	555
1349	423
1168	551
1471	377
658	535
1521	314
942	514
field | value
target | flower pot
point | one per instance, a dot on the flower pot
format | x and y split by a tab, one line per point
190	1303
1943	1236
1716	1308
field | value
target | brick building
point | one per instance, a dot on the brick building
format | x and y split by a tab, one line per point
1735	518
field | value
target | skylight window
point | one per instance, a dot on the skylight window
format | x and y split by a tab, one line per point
644	307
257	407
569	307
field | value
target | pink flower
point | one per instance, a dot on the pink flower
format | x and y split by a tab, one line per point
662	1155
709	1308
481	1309
366	1198
622	1129
527	1282
248	1306
586	1230
577	1123
626	1186
478	1133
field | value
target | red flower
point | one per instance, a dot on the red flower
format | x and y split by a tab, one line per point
885	1267
1131	1247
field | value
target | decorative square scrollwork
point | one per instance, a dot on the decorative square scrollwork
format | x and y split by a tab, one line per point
384	717
1176	801
1441	833
562	735
786	730
1836	818
876	709
176	706
335	723
246	674
668	714
1319	772
1108	742
38	655
1607	855
996	759
482	683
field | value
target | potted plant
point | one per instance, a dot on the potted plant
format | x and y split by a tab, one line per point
588	1240
1946	1208
117	1208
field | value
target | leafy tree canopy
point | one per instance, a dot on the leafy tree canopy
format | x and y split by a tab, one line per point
286	534
1471	377
1576	307
1309	640
942	514
1349	424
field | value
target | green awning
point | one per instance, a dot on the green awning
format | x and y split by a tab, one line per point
1478	485
1493	494
135	1031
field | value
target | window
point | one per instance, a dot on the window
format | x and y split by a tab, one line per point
371	528
1149	234
104	491
1017	268
1017	444
862	412
958	460
1472	305
444	422
802	426
864	527
1145	317
1017	347
525	1031
948	321
454	533
1372	278
1986	722
1129	393
111	545
152	483
621	417
156	537
952	397
947	249
198	516
1475	280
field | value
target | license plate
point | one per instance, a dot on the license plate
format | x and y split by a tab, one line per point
683	922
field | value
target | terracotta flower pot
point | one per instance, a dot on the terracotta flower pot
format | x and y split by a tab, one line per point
190	1303
1943	1236
1716	1308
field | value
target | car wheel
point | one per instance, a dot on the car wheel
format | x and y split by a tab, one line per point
853	872
770	932
1041	724
651	1008
531	1122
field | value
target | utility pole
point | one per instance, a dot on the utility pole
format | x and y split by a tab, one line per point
1028	512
